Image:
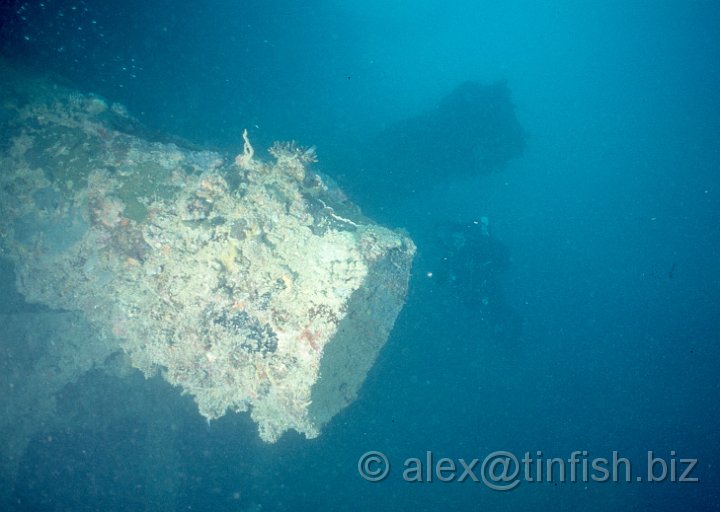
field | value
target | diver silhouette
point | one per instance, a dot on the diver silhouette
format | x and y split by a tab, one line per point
470	267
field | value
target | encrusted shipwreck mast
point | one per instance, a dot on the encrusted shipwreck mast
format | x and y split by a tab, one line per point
251	285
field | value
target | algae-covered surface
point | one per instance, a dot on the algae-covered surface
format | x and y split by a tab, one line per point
232	278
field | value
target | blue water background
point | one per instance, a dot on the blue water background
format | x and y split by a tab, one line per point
612	218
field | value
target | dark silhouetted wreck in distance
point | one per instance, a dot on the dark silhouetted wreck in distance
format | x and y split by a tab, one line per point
472	131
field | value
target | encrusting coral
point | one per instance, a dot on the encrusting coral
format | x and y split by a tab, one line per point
238	282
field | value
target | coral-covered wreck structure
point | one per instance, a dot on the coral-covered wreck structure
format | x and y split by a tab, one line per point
252	284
